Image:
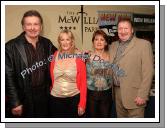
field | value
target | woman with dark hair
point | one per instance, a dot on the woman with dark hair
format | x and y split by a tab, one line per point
99	77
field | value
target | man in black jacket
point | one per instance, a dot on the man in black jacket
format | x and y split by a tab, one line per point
27	78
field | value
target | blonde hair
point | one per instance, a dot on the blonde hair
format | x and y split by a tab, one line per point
70	34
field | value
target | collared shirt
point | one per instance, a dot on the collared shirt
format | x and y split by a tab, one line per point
34	57
120	50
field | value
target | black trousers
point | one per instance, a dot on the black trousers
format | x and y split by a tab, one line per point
99	104
34	106
64	107
40	103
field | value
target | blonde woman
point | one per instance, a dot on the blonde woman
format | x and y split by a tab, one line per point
68	73
99	77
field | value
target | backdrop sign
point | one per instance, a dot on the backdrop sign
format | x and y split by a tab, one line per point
112	17
107	20
140	19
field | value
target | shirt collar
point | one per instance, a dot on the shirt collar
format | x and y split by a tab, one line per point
126	42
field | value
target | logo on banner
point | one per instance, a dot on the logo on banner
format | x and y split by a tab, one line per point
108	20
71	19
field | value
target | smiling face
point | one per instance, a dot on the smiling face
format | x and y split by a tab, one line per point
65	42
99	42
125	30
32	26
